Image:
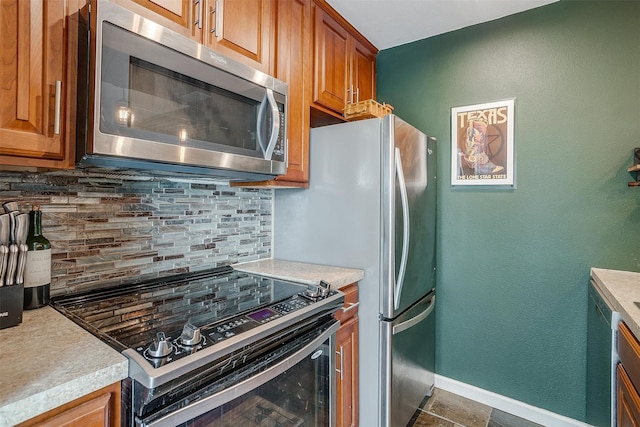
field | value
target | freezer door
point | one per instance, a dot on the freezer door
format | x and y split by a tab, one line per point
409	216
408	362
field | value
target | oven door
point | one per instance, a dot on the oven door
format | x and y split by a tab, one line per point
296	391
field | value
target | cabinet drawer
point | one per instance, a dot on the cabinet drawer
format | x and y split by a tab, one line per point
98	409
628	400
350	307
629	353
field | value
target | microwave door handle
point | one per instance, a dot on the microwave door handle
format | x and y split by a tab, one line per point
405	227
275	123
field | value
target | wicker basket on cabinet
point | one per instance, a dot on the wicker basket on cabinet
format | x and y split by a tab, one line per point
366	110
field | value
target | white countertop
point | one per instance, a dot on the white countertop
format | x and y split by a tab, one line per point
48	361
621	289
337	277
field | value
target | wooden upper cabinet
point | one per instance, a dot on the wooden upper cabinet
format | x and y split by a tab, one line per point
293	66
320	56
240	29
331	62
173	10
344	62
33	87
363	72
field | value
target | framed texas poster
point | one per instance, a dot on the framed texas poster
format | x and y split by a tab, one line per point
482	144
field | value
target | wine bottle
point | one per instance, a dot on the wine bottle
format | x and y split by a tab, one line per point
37	275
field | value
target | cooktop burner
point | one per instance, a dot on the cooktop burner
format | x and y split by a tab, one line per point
188	320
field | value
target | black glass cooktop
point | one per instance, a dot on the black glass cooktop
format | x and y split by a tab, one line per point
129	316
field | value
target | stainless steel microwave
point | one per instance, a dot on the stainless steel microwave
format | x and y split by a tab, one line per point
150	98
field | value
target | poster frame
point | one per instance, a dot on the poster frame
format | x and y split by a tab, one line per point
489	161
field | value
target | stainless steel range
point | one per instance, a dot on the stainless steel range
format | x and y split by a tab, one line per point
219	348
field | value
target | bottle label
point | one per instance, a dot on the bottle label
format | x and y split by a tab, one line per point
37	271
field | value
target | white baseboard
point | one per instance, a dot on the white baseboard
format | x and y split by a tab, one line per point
506	404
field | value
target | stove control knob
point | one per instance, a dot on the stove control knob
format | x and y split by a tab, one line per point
161	346
318	291
190	335
324	288
313	291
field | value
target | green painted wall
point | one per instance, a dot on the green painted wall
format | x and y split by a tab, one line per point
514	264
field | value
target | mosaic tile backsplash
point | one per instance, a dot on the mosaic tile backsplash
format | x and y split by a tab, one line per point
109	228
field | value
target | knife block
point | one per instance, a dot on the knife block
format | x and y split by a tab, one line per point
11	300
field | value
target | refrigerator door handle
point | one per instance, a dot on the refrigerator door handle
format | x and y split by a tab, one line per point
415	320
405	228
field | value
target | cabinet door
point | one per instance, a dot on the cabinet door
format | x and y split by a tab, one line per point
344	63
347	376
32	85
242	29
293	66
174	10
177	15
331	62
94	412
98	409
347	360
363	73
628	400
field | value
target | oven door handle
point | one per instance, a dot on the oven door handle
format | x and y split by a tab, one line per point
212	402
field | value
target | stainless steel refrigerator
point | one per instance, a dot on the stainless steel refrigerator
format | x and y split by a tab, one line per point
371	204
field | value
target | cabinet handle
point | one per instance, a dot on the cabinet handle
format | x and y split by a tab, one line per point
198	21
339	353
56	117
214	18
358	95
350	92
352	305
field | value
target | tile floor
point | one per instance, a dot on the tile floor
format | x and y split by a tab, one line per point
445	409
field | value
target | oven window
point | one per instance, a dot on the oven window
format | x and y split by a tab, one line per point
299	396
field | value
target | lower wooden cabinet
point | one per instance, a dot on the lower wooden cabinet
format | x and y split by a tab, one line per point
98	409
628	401
628	378
347	360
